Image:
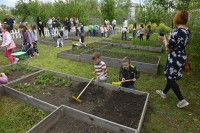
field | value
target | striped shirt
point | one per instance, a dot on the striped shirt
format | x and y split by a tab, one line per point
99	68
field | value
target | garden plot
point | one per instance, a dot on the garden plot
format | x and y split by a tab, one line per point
69	120
75	53
137	45
18	70
17	116
145	63
57	89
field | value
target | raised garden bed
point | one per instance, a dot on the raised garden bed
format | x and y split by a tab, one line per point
59	89
75	53
145	63
66	119
17	71
127	44
17	116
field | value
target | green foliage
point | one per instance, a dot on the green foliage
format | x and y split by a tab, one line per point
42	81
3	11
17	67
163	28
150	12
108	9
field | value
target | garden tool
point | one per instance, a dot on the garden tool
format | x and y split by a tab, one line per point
120	82
77	98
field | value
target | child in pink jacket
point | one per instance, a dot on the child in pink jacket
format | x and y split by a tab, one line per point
3	78
8	43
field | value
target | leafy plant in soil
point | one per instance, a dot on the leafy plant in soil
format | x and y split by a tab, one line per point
42	81
17	67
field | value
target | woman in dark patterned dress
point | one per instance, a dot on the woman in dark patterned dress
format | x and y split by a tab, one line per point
176	49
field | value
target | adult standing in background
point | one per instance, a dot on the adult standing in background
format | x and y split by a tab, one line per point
40	26
141	32
67	26
176	48
9	21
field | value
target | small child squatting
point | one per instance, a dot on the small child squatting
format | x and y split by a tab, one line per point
100	68
127	72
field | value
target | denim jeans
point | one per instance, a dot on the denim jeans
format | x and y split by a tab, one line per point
102	78
28	49
51	32
94	32
130	86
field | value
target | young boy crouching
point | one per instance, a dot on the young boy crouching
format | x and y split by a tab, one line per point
100	68
128	72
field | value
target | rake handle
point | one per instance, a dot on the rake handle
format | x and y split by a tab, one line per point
85	88
126	80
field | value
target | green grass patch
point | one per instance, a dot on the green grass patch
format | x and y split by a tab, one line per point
18	117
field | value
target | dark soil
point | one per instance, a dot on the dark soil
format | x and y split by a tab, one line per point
71	125
120	107
17	71
123	108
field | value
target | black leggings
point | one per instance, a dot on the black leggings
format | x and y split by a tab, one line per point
141	37
41	30
172	84
35	48
123	35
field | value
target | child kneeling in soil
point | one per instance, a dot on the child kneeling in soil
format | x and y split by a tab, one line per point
3	78
100	68
80	43
128	72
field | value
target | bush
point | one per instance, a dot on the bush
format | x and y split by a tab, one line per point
163	28
154	27
130	28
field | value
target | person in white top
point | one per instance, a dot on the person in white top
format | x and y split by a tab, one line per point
114	23
50	26
141	32
124	29
125	24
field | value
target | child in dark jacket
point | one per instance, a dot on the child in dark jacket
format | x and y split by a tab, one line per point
128	72
60	38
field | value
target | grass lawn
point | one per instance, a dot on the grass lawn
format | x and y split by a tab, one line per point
18	117
162	115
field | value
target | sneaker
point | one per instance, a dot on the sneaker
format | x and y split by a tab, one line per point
16	60
57	46
159	92
182	104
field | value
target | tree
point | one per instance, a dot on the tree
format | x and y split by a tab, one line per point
108	9
3	11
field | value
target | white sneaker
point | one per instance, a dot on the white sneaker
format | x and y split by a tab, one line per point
16	60
159	92
182	104
57	46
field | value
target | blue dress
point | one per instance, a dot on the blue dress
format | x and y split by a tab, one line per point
176	58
